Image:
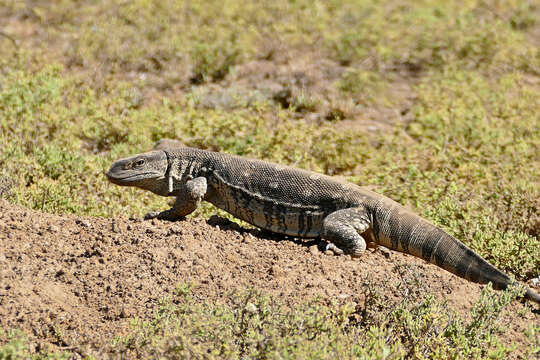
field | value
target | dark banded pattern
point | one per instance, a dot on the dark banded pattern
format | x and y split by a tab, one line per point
399	229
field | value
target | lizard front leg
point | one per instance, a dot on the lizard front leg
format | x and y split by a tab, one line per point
343	229
187	200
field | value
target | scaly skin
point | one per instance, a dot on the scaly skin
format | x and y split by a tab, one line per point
301	203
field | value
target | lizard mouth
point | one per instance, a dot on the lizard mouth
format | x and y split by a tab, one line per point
126	179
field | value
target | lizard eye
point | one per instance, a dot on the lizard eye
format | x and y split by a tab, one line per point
139	163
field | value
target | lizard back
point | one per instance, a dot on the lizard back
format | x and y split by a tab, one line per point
271	196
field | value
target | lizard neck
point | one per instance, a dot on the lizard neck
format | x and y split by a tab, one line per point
181	169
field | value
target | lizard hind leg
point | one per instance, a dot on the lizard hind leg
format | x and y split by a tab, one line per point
343	229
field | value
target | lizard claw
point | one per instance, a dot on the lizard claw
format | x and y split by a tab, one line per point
151	215
163	215
330	247
384	251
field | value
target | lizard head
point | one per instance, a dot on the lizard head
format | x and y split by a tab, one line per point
146	171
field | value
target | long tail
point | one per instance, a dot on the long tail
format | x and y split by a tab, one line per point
397	228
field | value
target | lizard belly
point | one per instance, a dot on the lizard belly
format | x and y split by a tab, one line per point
292	222
283	221
270	215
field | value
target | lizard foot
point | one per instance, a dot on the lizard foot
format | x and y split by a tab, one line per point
163	215
330	248
386	253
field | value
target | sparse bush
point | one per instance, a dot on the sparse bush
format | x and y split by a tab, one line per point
256	326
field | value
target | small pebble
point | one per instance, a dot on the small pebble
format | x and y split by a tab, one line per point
250	308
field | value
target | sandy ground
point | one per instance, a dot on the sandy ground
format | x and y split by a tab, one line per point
88	276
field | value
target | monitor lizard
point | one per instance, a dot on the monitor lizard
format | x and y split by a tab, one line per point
300	203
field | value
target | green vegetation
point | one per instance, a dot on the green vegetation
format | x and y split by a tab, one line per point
16	346
100	80
256	326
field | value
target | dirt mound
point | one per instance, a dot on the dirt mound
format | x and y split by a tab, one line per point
88	276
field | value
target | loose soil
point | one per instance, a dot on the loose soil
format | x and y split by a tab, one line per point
88	276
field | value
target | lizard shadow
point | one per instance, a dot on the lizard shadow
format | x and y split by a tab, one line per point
226	224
